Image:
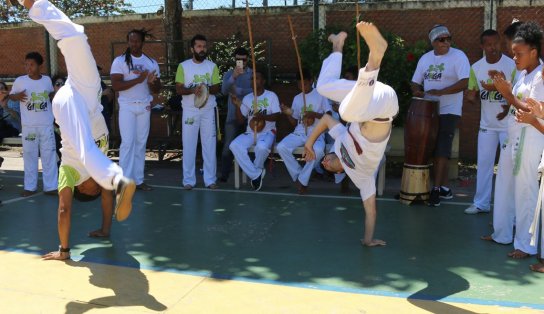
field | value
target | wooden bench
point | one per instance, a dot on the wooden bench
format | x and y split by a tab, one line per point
16	141
298	152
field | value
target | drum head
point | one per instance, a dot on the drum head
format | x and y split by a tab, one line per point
256	124
200	100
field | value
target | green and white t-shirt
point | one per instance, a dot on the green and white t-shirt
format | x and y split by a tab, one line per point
191	74
267	103
440	71
36	110
492	101
314	102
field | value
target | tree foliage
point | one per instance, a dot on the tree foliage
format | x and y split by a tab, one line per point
72	8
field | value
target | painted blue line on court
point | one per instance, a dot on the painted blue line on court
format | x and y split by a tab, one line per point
314	286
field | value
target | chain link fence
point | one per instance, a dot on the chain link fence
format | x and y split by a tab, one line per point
405	24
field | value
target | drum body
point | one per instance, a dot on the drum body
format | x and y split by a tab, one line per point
420	133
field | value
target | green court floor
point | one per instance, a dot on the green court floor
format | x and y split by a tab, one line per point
287	240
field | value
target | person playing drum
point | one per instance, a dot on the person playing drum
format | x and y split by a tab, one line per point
262	121
197	78
442	74
369	106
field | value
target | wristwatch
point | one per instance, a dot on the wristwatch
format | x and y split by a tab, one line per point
64	250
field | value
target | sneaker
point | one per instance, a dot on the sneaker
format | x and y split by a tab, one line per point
447	195
124	191
257	184
144	187
472	209
434	198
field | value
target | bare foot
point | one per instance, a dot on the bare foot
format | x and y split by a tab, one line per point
27	193
373	242
337	41
539	267
376	43
302	189
487	238
99	234
518	254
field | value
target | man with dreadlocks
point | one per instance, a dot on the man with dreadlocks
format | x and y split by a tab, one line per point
135	76
77	110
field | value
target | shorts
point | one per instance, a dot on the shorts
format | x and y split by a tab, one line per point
446	132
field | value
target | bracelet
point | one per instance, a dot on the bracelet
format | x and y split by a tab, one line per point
64	250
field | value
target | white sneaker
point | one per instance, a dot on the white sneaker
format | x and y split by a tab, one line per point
472	209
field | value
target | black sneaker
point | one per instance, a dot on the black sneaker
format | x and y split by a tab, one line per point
447	195
124	191
434	198
258	182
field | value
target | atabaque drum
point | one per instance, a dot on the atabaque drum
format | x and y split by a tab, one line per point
420	133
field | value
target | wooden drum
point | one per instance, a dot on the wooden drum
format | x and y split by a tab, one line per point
420	132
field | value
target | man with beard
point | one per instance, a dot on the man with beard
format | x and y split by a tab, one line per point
190	76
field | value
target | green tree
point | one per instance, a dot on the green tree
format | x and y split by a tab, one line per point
72	8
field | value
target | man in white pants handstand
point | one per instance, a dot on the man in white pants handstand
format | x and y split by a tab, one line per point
369	106
76	107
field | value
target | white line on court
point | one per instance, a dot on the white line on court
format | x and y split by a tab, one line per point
13	200
296	195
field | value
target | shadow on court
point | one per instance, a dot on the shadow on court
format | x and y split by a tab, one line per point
432	253
130	287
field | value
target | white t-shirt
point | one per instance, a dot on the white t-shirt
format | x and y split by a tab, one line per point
438	72
190	74
140	92
361	168
523	89
314	102
267	103
491	101
36	110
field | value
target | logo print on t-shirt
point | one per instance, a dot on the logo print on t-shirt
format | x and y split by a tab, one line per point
38	102
345	157
262	105
138	69
492	96
434	72
204	78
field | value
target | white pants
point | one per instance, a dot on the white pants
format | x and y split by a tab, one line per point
196	120
79	98
134	122
39	142
487	146
516	196
285	149
240	145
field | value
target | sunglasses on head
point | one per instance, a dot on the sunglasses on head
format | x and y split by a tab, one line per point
444	39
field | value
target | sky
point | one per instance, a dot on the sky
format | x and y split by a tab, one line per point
149	6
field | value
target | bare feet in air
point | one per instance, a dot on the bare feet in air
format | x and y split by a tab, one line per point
373	242
99	234
337	41
376	44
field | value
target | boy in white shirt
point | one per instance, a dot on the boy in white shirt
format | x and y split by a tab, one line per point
265	115
32	91
304	122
